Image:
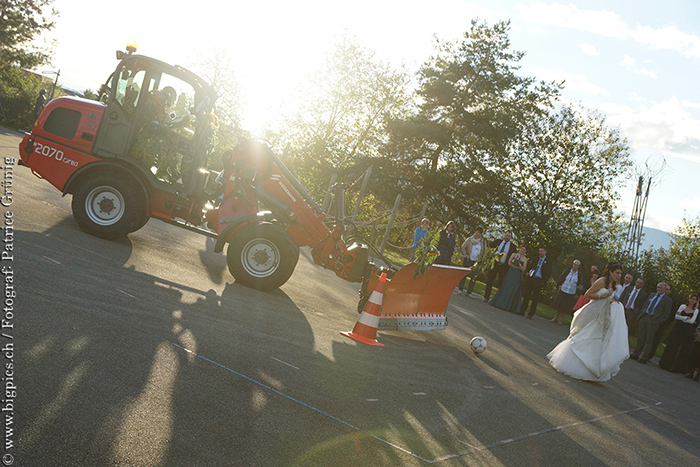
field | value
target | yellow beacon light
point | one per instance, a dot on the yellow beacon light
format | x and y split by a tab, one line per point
131	46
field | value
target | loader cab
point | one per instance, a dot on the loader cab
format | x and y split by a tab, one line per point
157	118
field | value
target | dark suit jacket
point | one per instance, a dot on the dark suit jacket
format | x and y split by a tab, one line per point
562	277
511	250
638	302
546	267
662	310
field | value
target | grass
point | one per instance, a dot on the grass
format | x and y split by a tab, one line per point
398	258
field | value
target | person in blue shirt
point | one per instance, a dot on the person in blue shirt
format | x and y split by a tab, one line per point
419	235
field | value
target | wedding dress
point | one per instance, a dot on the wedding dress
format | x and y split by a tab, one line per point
597	343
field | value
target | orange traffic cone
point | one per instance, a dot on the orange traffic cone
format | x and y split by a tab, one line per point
365	330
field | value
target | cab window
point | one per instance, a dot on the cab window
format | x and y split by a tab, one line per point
128	87
165	128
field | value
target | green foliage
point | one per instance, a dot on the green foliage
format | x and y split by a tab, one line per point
472	104
20	23
487	260
426	254
481	143
676	265
218	69
18	95
90	94
341	124
562	174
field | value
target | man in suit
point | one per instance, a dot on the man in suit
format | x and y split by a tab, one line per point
654	312
506	247
540	271
627	284
632	300
661	332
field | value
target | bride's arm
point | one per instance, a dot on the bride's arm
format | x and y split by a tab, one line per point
592	293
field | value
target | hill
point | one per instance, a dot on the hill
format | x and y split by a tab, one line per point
655	238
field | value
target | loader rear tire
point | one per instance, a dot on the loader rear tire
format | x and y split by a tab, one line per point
262	256
108	205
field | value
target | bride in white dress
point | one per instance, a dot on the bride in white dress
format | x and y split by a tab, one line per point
597	343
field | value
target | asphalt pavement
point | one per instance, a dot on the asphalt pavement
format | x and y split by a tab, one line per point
145	351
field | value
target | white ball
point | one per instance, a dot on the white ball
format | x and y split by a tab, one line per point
478	344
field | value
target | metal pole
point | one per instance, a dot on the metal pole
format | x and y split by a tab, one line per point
391	222
53	88
361	196
641	224
424	210
327	199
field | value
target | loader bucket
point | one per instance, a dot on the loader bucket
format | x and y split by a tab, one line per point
418	304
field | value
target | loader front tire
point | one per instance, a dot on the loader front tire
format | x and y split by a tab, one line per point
108	205
262	256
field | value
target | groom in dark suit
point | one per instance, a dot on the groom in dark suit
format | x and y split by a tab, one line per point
654	312
536	277
506	247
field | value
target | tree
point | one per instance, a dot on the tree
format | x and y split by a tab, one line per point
90	94
219	71
561	175
472	104
22	21
676	265
341	124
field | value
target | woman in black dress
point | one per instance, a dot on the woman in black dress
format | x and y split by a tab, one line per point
680	340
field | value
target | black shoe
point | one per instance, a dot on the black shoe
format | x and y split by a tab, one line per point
642	360
634	357
689	375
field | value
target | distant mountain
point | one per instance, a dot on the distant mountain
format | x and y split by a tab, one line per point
655	238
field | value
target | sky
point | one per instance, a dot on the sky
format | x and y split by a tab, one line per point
635	61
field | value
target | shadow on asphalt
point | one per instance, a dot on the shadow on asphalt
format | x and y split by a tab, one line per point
122	367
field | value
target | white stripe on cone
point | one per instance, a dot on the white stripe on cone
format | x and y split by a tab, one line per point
369	320
376	297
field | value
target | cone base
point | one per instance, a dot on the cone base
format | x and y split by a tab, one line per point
362	339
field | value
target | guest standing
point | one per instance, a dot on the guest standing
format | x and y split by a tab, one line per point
633	299
446	244
506	248
695	356
419	236
508	295
656	310
567	285
472	248
534	281
680	341
622	287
